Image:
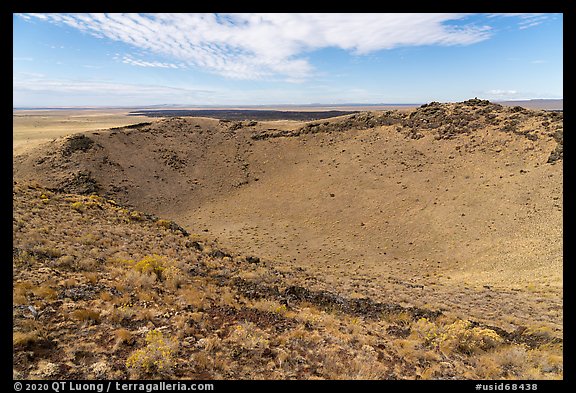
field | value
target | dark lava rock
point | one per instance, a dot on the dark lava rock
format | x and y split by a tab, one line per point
195	245
81	292
76	143
219	254
80	182
476	102
171	225
558	152
397	331
252	259
253	290
363	307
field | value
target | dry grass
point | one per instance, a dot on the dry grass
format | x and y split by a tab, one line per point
123	337
90	316
24	338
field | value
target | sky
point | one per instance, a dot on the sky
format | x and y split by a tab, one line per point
283	59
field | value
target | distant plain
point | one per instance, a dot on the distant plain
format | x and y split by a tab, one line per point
35	126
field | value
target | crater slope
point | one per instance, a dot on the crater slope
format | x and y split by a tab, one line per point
450	206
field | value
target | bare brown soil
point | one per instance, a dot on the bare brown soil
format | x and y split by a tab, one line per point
450	208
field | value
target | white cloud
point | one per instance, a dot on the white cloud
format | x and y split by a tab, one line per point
257	46
531	20
59	85
526	20
40	90
30	15
502	93
152	64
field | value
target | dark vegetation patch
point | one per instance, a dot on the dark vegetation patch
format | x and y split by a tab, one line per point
76	143
132	126
226	114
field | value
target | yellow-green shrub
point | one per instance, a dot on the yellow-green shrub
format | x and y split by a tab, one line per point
80	206
157	356
458	336
151	264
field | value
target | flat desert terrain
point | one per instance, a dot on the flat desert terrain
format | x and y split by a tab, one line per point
33	127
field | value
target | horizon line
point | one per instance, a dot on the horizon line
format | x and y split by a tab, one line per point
311	105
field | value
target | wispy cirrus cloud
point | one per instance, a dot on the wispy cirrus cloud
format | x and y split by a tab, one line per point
151	64
259	46
531	20
29	87
525	20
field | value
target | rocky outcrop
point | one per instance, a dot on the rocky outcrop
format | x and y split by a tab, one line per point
442	121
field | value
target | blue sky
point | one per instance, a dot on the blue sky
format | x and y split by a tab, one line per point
274	59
